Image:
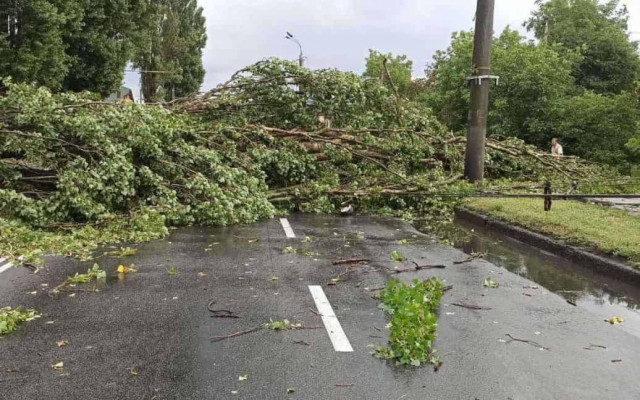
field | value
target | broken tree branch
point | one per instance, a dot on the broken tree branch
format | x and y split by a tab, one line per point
349	261
224	337
529	342
471	306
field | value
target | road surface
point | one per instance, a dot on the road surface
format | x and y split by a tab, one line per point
147	335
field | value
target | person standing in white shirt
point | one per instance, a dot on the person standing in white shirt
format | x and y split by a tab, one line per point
556	148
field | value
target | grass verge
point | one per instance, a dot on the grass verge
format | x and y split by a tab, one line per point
413	321
606	230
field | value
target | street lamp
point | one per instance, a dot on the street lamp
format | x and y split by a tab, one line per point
289	36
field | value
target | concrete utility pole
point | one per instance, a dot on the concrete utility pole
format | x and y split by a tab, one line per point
480	82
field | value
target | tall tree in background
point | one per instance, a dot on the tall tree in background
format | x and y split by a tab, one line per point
70	44
32	46
399	68
600	31
100	47
171	58
533	79
598	127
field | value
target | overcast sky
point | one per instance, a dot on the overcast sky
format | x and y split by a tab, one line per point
339	33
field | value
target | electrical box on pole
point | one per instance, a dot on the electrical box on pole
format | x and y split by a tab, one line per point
480	84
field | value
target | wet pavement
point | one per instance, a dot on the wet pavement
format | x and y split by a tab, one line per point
147	335
630	205
600	294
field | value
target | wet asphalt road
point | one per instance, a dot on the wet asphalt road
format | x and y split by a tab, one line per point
158	325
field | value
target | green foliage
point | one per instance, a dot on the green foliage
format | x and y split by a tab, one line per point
101	42
413	320
38	52
490	283
281	94
174	44
598	127
289	250
172	271
397	256
93	273
18	238
70	44
599	30
284	325
118	158
399	68
10	318
533	78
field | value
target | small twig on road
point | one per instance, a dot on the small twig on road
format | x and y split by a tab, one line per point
220	313
345	384
447	288
349	261
220	338
594	346
245	238
573	303
470	306
529	342
315	312
527	294
419	267
301	342
471	258
616	361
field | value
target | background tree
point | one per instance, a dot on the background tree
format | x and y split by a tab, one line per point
399	68
173	50
533	79
600	31
32	46
597	127
102	44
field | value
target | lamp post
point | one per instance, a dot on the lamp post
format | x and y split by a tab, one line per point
289	36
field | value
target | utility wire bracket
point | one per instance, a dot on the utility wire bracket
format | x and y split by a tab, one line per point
478	79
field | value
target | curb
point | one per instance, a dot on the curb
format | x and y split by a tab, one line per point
604	265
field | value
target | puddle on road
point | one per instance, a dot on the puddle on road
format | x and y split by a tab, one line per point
602	296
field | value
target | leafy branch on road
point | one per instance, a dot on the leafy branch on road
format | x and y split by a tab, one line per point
10	319
413	320
93	274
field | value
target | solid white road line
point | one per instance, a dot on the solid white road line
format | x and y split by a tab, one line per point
331	323
287	228
5	266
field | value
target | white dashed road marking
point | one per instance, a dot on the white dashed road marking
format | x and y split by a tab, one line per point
287	228
331	323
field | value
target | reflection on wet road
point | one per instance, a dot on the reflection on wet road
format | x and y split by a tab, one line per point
600	295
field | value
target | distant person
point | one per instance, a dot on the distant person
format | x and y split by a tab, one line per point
556	148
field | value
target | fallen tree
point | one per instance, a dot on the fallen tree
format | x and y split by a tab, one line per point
236	154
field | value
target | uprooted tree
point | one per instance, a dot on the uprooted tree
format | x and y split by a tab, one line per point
236	154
